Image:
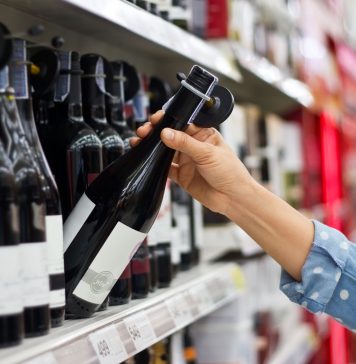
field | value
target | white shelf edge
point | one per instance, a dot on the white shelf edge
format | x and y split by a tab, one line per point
161	32
193	295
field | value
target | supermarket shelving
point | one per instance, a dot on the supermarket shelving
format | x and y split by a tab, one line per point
114	335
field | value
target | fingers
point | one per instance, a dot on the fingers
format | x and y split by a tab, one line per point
182	142
134	141
144	130
156	117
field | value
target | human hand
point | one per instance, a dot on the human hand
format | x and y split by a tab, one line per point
204	164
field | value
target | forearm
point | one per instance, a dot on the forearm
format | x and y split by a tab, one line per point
278	228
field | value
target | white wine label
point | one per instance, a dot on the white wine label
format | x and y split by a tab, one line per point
76	219
109	263
175	248
108	346
54	231
198	223
161	230
57	298
10	280
34	258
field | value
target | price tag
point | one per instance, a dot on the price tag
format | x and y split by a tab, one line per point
140	330
108	346
47	358
180	310
202	297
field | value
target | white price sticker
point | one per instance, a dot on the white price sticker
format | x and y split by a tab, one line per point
47	358
108	346
202	297
140	330
180	310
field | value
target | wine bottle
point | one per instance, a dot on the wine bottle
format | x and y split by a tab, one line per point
161	233
78	149
94	113
140	272
121	292
115	105
11	308
54	221
118	209
141	102
196	229
175	248
180	208
32	203
152	257
190	352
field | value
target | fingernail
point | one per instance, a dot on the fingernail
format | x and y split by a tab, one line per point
168	134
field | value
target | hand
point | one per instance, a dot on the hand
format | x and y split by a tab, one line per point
204	164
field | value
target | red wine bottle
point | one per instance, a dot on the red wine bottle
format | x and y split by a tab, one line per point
161	233
32	203
94	113
121	292
78	156
180	207
116	212
115	105
11	308
140	272
54	221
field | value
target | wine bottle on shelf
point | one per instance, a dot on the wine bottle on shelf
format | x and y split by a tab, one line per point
115	104
32	202
161	233
11	307
94	113
140	272
44	71
117	210
78	150
141	102
181	213
196	229
190	352
175	248
121	292
152	257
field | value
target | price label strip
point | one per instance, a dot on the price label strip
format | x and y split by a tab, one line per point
140	330
179	309
161	320
108	346
47	358
202	298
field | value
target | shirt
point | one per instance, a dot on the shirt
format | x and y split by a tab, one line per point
328	281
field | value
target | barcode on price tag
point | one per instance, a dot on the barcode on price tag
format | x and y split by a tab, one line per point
180	310
108	346
140	330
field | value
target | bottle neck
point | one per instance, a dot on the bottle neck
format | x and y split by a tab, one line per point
93	99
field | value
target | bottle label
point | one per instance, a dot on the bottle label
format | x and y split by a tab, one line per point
76	219
4	78
108	265
198	223
63	83
34	258
19	69
181	214
161	229
176	243
10	280
54	231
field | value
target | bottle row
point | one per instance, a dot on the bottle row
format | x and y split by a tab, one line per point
65	124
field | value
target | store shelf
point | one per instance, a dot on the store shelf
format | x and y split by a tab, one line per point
122	24
298	348
265	84
114	335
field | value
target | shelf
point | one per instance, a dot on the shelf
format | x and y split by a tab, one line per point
124	25
298	349
126	330
265	84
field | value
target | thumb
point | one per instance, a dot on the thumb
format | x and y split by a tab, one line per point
184	143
